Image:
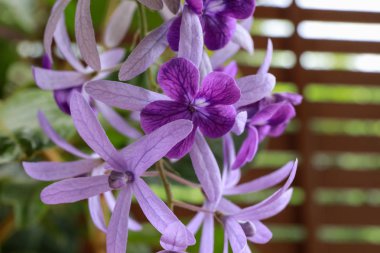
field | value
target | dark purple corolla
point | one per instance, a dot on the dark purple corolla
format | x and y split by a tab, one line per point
209	107
218	19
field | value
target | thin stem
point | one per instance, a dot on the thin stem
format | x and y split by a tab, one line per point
182	180
169	194
190	207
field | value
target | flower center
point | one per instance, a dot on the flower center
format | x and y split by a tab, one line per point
117	180
248	227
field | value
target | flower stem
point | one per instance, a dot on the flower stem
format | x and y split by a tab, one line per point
169	194
190	207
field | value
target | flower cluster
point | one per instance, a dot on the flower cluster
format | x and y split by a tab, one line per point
201	97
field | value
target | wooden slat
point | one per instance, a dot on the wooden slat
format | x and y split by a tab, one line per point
346	179
346	111
347	248
341	77
346	143
284	142
319	45
348	216
318	15
276	247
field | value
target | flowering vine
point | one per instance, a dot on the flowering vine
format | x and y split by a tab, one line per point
199	94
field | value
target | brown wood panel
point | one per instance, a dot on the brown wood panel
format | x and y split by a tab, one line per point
284	142
347	248
336	178
276	247
296	14
348	216
346	143
341	77
345	111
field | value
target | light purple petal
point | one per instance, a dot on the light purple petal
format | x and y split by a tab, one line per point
162	218
173	5
191	37
92	132
230	177
231	69
117	122
205	67
262	183
52	23
218	31
219	89
264	68
196	222
152	147
179	78
243	38
153	4
222	55
240	122
117	232
96	213
273	114
74	189
236	236
255	87
159	113
206	168
146	53
216	121
183	147
50	171
119	23
122	95
248	149
48	79
239	9
207	239
63	41
85	35
58	140
196	5
263	234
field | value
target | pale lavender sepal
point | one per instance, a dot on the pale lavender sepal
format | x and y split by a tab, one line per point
119	23
219	89
264	68
162	218
117	122
153	4
273	114
147	150
205	67
262	183
196	222
248	149
117	231
263	235
63	41
206	168
85	35
173	5
240	122
50	171
207	239
231	69
243	38
111	58
229	177
179	79
92	132
146	53
96	213
236	235
122	95
191	37
58	140
48	79
222	55
52	23
74	189
255	87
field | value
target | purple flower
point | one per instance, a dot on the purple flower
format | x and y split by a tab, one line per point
125	170
208	107
218	18
240	224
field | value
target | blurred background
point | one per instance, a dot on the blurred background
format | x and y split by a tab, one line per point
327	50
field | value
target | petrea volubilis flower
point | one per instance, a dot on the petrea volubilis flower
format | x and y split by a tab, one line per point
218	19
209	106
125	170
